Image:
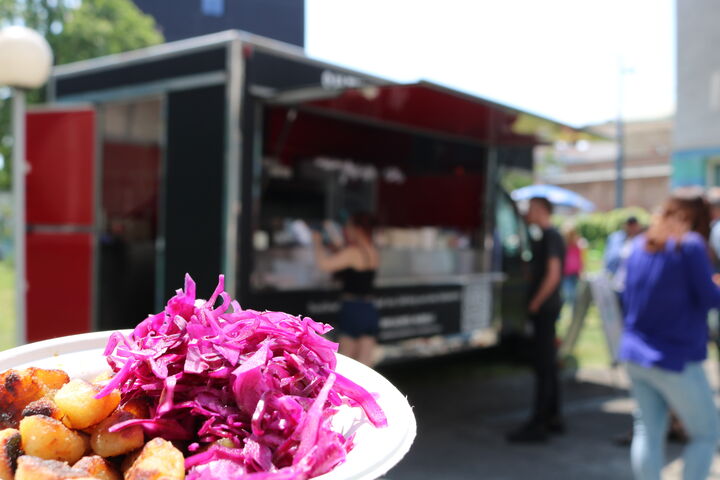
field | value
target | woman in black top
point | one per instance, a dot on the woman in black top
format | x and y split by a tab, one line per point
355	265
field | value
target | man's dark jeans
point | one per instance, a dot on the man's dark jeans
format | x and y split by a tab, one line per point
545	364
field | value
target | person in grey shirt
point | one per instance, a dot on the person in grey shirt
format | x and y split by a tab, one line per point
617	242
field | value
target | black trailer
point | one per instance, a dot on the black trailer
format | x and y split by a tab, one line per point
216	153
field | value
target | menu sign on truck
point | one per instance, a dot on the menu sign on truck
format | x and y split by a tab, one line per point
405	312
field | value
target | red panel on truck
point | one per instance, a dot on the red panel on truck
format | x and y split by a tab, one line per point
437	200
60	204
59	272
60	151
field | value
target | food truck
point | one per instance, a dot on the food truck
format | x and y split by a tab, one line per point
220	154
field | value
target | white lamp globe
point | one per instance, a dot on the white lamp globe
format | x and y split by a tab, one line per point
25	58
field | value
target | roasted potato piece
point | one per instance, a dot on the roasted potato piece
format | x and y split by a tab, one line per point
102	378
44	406
112	444
9	452
128	461
159	459
51	380
33	468
77	401
20	387
47	438
98	468
138	408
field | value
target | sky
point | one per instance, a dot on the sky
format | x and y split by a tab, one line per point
558	58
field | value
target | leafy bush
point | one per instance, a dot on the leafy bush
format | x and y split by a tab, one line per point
6	224
595	227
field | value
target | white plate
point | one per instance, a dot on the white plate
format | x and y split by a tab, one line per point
376	450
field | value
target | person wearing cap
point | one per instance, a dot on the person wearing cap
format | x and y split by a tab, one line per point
545	303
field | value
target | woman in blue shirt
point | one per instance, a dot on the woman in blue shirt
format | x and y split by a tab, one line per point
669	289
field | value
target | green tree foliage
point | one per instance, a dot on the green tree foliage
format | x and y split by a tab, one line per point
102	27
513	179
76	30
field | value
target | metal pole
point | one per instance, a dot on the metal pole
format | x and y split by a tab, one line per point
19	170
620	163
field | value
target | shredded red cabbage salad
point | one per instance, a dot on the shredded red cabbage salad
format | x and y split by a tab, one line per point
253	393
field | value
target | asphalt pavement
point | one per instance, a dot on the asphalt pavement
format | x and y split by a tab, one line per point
463	410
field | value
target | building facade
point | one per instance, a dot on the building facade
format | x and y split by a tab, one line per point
588	168
282	20
696	143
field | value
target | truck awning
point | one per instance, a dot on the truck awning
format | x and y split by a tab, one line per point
430	108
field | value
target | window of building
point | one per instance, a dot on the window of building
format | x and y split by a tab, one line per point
713	172
715	91
213	8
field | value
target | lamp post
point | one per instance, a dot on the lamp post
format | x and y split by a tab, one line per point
26	60
620	136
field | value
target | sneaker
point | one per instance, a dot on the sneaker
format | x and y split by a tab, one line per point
677	435
556	426
623	439
528	433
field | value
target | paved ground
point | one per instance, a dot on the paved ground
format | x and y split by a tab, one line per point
463	413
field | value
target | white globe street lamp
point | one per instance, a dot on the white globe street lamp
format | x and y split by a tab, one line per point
25	63
25	58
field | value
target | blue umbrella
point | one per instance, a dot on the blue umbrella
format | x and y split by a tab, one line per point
557	196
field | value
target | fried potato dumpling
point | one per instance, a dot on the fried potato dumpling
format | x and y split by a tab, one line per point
49	439
50	380
33	468
128	461
10	450
44	406
111	444
77	401
98	467
20	387
137	407
159	459
102	378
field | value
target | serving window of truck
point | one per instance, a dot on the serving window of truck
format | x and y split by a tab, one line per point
427	193
222	154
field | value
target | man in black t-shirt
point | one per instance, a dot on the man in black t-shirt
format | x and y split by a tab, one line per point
545	302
